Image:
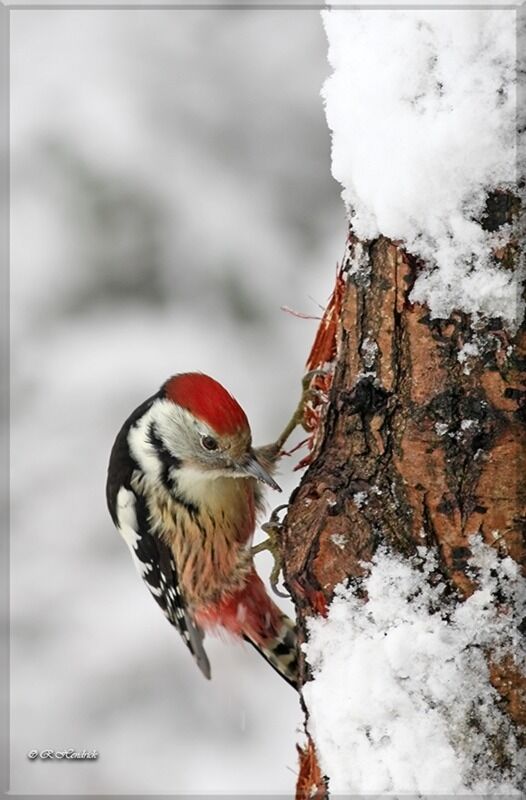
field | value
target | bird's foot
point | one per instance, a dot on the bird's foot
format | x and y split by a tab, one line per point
273	530
271	452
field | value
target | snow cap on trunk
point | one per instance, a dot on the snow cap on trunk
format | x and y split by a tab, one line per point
422	109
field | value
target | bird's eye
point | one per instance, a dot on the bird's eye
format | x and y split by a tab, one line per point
209	443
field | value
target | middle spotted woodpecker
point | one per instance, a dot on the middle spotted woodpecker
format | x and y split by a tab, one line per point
183	490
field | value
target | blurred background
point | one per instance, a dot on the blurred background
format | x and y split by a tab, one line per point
171	190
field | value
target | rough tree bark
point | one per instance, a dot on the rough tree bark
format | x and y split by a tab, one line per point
393	423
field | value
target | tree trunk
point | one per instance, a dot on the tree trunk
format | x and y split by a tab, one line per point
425	420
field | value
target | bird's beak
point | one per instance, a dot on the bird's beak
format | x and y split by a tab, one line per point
252	467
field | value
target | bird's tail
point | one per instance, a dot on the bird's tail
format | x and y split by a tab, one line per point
281	650
251	614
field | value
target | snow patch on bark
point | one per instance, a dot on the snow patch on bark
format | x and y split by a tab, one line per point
400	699
422	109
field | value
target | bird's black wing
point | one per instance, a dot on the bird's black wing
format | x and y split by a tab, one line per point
157	568
152	557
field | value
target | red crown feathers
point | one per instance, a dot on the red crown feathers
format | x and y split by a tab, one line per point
207	400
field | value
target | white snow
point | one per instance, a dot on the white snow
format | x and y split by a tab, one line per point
369	350
467	350
360	499
400	700
466	424
441	428
339	539
421	105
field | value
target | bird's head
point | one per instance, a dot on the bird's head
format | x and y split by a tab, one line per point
197	424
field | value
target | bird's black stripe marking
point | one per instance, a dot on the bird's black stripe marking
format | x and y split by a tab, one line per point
190	507
289	676
161	575
282	649
166	458
147	549
162	580
169	479
122	464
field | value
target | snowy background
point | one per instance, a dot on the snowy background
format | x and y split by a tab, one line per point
170	190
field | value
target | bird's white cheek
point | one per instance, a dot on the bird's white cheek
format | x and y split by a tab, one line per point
141	449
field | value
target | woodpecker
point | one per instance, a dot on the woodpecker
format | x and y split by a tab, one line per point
183	490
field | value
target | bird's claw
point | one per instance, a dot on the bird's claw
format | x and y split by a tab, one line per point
273	528
298	417
307	378
271	453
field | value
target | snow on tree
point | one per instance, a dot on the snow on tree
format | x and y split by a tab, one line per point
403	544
